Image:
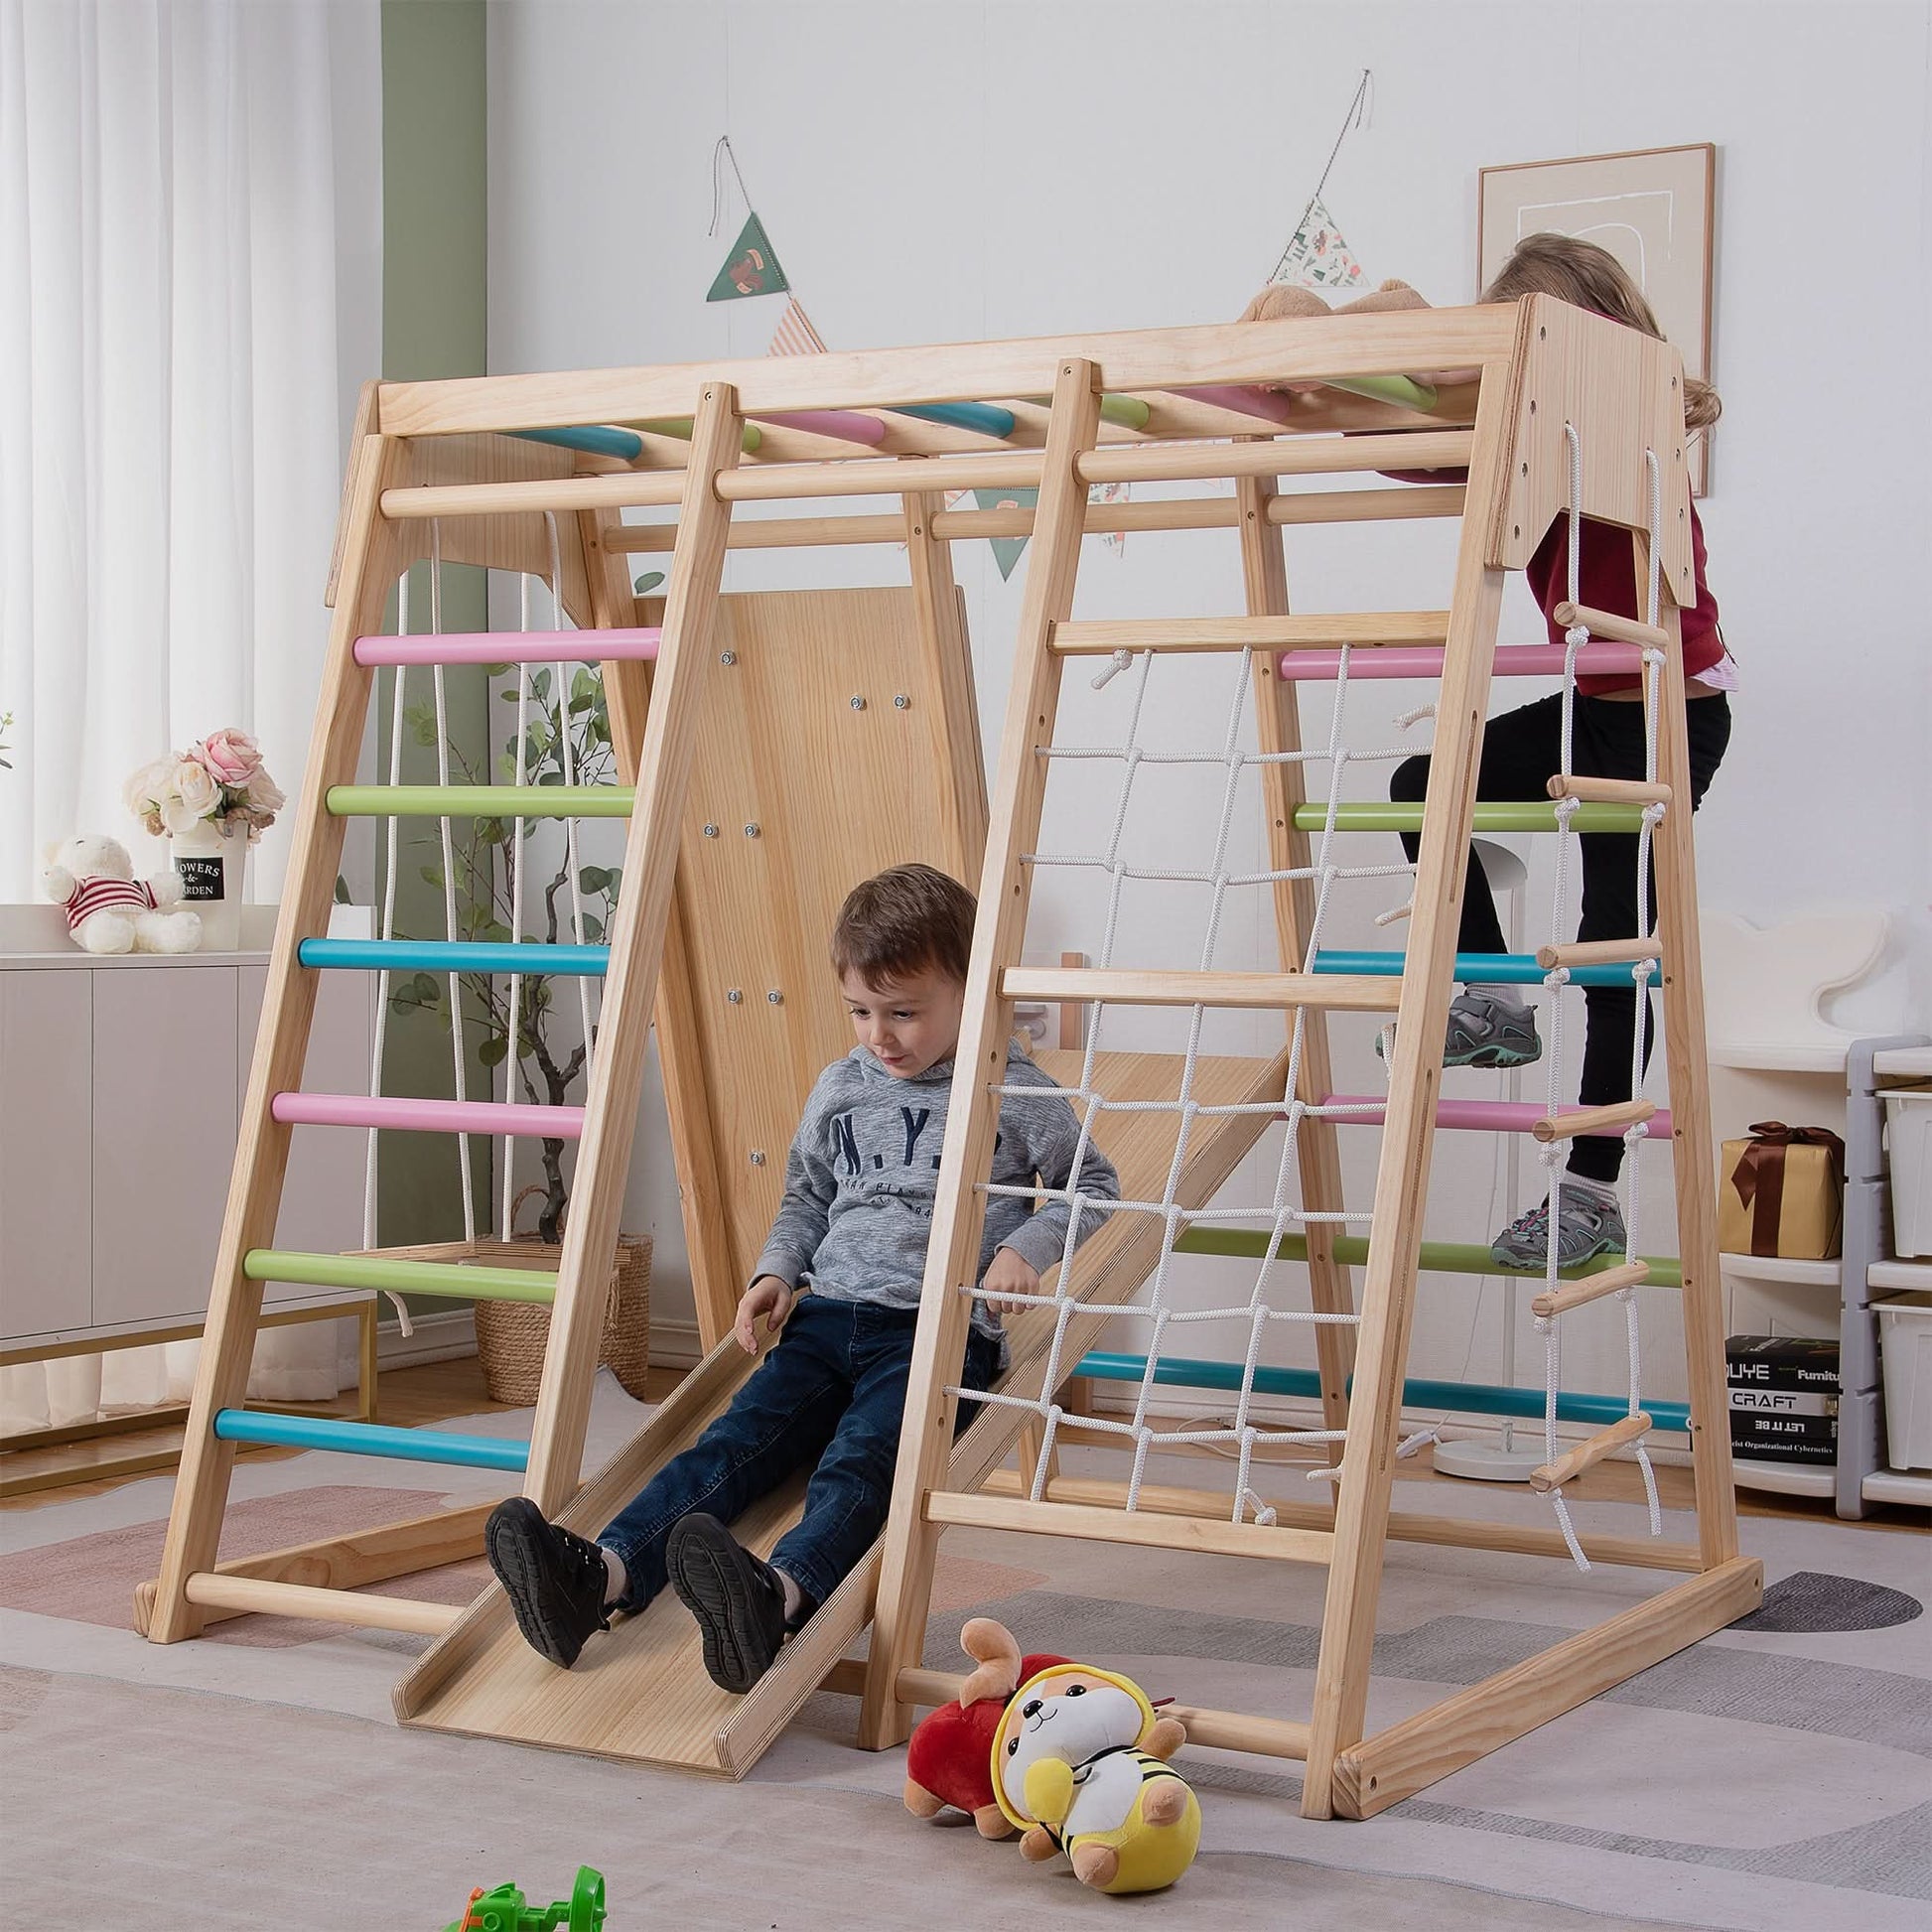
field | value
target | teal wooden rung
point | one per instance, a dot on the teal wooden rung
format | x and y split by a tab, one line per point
452	956
370	1438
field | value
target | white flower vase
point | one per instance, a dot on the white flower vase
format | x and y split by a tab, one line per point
211	862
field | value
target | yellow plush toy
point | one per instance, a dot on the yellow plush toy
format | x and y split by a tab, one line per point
1079	1762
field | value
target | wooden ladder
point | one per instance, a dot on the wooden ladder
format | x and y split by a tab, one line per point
653	718
1343	1772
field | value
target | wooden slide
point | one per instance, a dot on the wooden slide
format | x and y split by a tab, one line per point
642	1692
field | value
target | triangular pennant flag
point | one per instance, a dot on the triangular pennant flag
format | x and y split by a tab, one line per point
1111	493
1005	550
795	335
751	269
1318	257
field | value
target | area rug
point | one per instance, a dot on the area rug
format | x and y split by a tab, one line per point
1778	1777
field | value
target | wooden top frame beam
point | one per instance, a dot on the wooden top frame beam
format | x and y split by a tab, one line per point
1218	356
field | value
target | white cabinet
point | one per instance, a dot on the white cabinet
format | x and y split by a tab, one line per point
121	1083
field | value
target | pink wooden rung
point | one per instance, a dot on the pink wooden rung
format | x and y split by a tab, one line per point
1426	660
428	1116
847	425
1246	402
1475	1116
509	648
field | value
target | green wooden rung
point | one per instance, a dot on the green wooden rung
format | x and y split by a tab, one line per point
471	1283
1527	815
1437	1257
482	801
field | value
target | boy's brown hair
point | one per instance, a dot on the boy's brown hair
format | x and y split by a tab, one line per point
903	921
1590	277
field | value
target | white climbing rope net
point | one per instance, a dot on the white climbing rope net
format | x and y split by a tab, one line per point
1241	1434
1554	1153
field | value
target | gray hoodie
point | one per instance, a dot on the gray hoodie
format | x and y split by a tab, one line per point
864	1169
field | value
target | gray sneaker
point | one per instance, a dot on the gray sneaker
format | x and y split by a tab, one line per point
1588	1223
1485	1031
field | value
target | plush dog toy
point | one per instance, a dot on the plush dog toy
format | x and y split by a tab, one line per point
109	910
949	1758
1080	1763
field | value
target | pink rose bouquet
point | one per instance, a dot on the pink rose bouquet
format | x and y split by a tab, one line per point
219	777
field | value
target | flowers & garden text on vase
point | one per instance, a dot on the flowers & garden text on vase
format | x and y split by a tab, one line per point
211	802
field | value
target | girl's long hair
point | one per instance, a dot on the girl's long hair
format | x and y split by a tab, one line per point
1593	278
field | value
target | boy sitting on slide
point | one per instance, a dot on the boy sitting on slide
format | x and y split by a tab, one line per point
853	1231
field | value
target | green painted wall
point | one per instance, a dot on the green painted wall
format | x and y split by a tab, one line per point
434	310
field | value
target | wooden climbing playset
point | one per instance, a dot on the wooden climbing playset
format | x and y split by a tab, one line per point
774	748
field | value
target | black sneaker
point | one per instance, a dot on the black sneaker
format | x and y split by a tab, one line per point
737	1599
555	1580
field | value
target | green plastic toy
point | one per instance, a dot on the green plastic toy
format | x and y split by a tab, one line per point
503	1909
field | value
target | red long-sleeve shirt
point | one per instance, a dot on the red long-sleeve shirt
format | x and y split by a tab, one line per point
1608	580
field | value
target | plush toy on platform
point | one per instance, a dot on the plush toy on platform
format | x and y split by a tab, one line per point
949	1759
109	910
1080	1763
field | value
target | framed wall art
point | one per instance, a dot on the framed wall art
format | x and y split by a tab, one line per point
1651	209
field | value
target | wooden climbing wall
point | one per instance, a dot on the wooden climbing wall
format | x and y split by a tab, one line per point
833	745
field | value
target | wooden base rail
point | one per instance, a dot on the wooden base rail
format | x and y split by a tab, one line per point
1226	1538
1443	1531
213	1590
1396	1763
342	1562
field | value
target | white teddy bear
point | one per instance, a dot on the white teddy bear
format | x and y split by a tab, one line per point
109	910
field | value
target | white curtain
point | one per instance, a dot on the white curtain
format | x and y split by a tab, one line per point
190	288
181	182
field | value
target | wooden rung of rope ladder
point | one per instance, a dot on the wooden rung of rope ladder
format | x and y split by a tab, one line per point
1599	953
1593	1120
1606	623
1593	1287
1606	791
1587	1454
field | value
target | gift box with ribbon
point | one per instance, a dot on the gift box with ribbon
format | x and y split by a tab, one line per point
1782	1192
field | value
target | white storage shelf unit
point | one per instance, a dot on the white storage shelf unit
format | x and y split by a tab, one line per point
121	1082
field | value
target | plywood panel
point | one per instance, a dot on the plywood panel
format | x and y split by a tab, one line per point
46	1151
164	1099
836	791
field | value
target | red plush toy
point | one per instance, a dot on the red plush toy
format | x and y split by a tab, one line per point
950	1760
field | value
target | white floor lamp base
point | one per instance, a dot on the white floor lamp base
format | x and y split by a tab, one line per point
1486	1461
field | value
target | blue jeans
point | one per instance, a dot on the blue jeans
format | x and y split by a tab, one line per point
829	1397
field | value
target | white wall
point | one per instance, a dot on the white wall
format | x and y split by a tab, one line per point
940	172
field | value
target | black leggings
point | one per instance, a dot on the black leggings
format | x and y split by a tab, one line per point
1521	751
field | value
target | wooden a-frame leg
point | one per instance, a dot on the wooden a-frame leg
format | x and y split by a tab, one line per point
370	555
637	947
952	1256
707	1239
1691	1152
1278	727
1408	1134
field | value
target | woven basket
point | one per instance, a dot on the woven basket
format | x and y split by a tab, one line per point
512	1336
